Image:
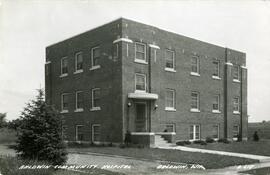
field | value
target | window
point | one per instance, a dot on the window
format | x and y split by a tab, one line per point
140	52
96	133
170	100
216	73
195	101
194	132
235	131
79	133
115	50
64	105
169	57
140	82
236	73
195	65
169	128
216	103
64	66
215	133
78	62
96	99
79	101
95	56
64	132
236	108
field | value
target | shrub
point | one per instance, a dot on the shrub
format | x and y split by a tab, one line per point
122	145
182	143
209	140
199	142
223	140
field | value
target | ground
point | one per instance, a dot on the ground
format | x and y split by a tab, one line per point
261	147
209	161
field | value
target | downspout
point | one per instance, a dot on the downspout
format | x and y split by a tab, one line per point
150	87
225	95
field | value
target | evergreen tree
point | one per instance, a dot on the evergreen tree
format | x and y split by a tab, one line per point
39	133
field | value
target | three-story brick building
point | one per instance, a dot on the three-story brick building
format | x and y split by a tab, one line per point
127	76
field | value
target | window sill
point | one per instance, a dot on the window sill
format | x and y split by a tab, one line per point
216	111
140	61
63	75
170	69
140	91
64	111
236	81
95	109
195	74
195	110
95	67
236	112
216	77
78	110
170	109
78	71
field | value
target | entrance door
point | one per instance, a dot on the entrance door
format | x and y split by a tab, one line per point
141	117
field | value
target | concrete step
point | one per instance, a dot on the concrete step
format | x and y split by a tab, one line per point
161	142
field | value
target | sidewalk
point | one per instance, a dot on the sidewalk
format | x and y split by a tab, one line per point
249	156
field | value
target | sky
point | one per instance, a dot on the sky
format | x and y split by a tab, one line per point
28	26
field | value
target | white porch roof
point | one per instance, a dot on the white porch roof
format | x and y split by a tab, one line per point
143	95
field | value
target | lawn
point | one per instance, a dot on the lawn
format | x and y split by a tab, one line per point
209	161
261	147
10	166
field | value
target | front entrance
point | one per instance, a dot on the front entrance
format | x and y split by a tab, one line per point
141	113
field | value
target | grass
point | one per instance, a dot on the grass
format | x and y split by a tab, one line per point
10	166
209	161
249	147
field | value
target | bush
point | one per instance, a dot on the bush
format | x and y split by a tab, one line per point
223	140
199	142
182	143
7	136
209	140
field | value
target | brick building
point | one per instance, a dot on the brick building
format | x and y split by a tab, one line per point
128	76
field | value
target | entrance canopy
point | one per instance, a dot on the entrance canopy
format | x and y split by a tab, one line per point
143	95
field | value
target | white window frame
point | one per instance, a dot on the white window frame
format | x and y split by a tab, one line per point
218	127
63	132
217	77
238	105
76	132
238	131
76	62
237	80
168	68
117	50
194	132
94	108
62	102
198	102
61	63
145	85
76	103
93	67
93	125
167	108
216	110
170	124
138	60
198	66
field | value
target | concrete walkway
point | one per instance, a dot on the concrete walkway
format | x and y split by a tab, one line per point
249	156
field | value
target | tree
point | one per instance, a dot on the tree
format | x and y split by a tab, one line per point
39	133
3	121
